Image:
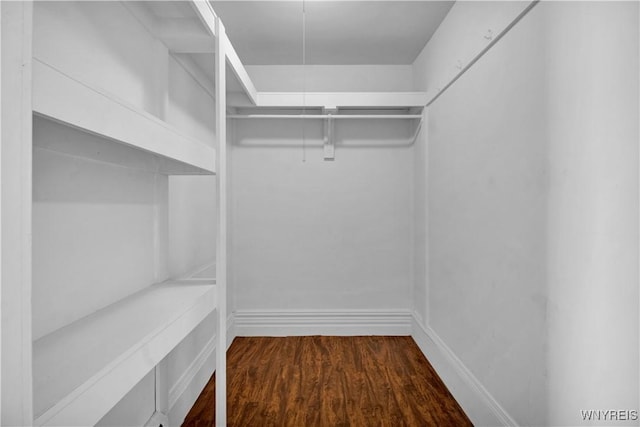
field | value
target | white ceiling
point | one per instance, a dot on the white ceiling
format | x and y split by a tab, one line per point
172	9
266	32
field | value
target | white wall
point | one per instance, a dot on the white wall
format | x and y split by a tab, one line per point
192	223
103	231
321	235
315	235
188	106
469	28
106	46
592	130
532	198
487	223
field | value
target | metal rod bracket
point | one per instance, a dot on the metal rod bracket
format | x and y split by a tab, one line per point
329	143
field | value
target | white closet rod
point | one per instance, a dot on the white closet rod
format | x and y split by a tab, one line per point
324	116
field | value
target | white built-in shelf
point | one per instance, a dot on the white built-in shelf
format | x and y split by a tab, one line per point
239	73
333	100
82	370
69	100
188	30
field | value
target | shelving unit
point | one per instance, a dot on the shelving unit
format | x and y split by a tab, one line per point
97	112
76	374
188	29
82	370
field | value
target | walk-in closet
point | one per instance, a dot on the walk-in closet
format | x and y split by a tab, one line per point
319	213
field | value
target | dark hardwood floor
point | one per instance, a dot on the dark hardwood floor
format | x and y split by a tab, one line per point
329	381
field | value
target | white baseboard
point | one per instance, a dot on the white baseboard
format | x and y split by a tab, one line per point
479	405
322	322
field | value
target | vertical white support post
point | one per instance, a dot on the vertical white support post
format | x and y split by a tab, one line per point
161	388
16	199
0	216
221	241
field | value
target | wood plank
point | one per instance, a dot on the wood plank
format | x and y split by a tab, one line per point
82	370
64	98
321	381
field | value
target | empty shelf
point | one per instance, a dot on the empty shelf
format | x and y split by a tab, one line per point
68	100
332	100
82	370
